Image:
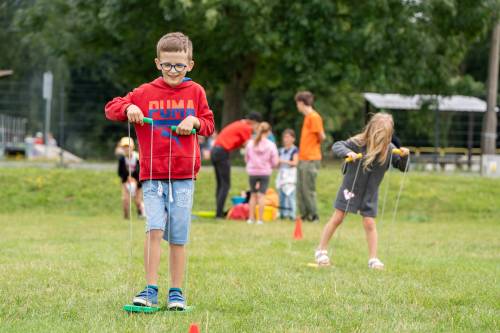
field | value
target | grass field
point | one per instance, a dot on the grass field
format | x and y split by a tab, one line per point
66	263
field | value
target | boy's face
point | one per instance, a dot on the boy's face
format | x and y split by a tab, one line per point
288	140
174	66
127	150
300	106
254	124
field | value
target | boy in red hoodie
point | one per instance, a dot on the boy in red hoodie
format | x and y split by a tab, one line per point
166	169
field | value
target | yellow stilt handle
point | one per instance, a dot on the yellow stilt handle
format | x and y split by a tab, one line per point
397	151
350	159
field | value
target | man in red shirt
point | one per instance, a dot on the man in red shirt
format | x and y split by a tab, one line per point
232	137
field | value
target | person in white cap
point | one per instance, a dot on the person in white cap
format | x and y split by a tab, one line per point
128	170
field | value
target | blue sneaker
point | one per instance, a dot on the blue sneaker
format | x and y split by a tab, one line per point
147	297
176	301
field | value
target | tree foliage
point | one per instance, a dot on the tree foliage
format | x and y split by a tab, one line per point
254	55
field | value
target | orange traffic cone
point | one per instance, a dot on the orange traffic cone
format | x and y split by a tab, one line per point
194	328
297	233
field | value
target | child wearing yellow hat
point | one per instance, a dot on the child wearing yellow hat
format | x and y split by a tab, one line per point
128	170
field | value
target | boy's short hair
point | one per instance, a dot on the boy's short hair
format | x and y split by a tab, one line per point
305	97
289	131
254	116
175	42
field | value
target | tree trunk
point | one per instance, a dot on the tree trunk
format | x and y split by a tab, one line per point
233	101
489	135
235	90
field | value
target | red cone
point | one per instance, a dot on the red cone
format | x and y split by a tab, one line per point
194	328
297	233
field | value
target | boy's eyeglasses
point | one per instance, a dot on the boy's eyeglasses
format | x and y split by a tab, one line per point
166	66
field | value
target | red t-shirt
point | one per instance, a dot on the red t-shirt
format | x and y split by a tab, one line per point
167	106
234	135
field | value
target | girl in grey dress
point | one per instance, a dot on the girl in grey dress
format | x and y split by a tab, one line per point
370	155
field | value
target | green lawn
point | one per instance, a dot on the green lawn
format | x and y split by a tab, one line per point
65	262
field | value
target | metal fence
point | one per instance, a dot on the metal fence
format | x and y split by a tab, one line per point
12	135
79	124
77	118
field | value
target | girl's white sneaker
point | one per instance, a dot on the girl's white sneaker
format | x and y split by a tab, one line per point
375	263
249	221
321	257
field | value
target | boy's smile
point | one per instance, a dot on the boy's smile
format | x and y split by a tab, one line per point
174	66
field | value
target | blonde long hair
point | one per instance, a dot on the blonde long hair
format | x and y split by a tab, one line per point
263	128
376	136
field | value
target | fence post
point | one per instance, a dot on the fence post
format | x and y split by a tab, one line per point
47	95
436	137
61	125
470	139
2	135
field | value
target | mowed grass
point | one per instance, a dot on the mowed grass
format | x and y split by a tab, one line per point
67	263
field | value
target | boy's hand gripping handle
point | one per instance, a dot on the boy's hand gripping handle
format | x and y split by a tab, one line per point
174	129
147	120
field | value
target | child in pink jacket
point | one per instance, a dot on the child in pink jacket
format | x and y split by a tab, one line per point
261	157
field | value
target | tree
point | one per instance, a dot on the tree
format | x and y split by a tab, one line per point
489	134
256	54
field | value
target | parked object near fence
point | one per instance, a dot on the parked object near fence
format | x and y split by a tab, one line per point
491	165
52	153
15	143
12	134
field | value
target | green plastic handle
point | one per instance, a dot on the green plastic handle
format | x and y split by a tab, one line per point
147	120
174	128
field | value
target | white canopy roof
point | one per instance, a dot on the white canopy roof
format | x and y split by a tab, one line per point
6	72
445	103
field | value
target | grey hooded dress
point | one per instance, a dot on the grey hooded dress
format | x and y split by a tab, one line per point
364	196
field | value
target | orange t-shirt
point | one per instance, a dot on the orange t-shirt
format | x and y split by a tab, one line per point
234	135
310	144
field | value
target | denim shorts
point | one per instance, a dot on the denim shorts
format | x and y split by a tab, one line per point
169	211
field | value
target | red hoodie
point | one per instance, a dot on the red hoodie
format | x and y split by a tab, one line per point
167	106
